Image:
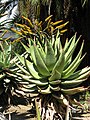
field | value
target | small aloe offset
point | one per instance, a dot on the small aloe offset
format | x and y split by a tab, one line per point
8	78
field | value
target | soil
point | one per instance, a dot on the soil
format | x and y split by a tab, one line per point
20	112
21	108
27	112
24	109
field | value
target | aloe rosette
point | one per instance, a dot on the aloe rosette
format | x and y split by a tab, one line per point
8	78
51	69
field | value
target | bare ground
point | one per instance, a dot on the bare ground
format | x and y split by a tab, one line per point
25	110
21	108
20	112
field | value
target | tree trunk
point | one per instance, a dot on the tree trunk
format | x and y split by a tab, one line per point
27	9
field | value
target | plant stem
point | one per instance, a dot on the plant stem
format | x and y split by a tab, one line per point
67	113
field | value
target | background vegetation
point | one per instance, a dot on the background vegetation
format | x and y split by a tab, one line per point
74	11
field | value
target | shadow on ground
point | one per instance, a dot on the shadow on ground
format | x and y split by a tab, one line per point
21	112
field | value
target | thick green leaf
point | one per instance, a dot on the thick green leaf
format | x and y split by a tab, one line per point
42	54
73	90
55	76
55	82
28	86
72	68
22	69
79	73
71	83
21	59
56	88
32	53
42	68
50	57
44	91
29	90
58	41
69	53
32	70
69	43
75	63
1	65
38	82
59	66
83	76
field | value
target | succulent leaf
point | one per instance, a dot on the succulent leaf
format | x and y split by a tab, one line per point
50	56
45	91
79	73
55	75
57	88
59	66
71	83
73	66
70	51
73	90
55	82
22	69
31	69
40	63
35	81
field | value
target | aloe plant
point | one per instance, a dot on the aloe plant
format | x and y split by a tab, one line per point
8	79
51	72
5	57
